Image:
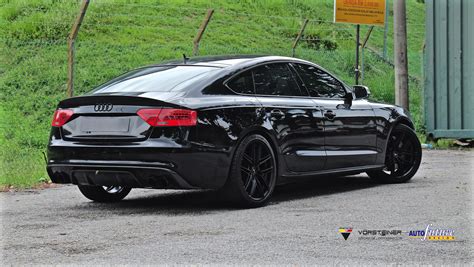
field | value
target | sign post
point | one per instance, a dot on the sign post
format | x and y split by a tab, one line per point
356	70
368	12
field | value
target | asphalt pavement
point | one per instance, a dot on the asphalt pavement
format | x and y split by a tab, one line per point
300	225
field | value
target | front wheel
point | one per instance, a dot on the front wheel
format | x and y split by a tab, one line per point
253	173
104	193
402	156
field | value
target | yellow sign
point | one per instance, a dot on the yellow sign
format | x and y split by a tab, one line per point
371	12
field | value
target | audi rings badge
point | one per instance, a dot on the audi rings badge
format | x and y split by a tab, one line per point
103	107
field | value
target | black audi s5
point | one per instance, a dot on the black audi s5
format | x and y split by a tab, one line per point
237	124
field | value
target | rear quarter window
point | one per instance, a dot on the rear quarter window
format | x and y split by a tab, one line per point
242	83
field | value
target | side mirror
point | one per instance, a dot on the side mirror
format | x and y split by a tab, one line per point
361	91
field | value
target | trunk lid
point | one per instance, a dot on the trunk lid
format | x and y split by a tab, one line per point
110	118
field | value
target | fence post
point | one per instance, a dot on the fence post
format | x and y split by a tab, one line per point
300	34
71	40
203	27
367	36
385	30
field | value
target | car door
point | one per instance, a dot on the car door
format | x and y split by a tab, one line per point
292	115
349	128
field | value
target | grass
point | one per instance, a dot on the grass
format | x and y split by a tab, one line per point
119	35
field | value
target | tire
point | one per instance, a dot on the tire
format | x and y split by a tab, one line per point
253	173
104	193
402	157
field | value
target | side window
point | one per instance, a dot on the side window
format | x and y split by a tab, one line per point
275	79
320	83
243	83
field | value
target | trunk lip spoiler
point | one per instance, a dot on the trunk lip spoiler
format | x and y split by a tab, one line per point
128	100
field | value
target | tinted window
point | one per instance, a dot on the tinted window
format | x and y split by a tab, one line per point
156	79
275	79
242	84
320	83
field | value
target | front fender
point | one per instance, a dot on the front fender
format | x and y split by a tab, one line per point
386	118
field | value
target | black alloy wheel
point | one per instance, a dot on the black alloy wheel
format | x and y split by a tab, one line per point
257	169
402	158
253	173
104	193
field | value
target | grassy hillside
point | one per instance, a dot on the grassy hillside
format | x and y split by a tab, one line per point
120	35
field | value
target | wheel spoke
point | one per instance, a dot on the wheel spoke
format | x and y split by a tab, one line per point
248	158
247	183
246	170
400	140
404	161
264	160
405	145
402	152
262	181
258	153
396	167
266	170
253	187
391	165
260	187
246	177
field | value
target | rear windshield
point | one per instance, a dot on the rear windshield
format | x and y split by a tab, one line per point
156	79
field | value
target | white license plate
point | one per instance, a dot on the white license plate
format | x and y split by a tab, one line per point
105	124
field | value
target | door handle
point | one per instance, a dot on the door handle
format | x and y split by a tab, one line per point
299	115
277	114
329	114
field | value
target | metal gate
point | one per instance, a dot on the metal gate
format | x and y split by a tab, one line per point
449	69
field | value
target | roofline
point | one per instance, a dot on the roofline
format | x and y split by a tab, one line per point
243	66
186	65
203	59
210	61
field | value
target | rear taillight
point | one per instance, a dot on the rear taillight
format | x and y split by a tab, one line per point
61	116
163	117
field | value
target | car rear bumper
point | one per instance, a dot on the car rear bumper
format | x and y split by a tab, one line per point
116	173
138	166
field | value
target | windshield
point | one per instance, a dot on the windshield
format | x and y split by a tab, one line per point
156	79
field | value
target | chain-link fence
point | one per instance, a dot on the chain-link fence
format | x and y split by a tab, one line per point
136	34
117	36
120	35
